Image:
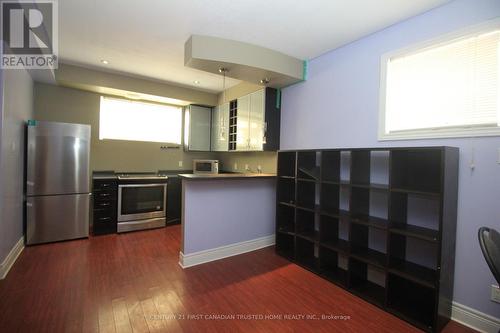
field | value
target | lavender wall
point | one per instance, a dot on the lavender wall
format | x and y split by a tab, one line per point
338	107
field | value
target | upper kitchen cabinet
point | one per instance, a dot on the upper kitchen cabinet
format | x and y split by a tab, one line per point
220	128
257	121
197	122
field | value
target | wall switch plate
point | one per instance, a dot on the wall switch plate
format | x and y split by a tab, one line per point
495	293
180	164
235	166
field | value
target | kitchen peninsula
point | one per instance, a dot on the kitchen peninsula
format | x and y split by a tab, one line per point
226	214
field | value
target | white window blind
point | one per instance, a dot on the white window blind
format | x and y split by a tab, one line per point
453	84
122	119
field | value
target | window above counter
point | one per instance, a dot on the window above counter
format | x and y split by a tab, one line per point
121	119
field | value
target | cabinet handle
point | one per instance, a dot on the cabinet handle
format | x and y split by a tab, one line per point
104	218
104	194
104	204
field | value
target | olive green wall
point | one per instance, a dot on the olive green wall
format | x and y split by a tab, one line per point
56	103
267	160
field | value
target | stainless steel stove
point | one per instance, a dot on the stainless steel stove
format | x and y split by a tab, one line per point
142	201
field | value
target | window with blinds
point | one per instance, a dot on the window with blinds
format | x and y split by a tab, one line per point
121	119
448	88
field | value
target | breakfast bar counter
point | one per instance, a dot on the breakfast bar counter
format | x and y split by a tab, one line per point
226	175
226	214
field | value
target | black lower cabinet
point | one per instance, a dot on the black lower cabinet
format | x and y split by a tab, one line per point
104	217
174	199
378	222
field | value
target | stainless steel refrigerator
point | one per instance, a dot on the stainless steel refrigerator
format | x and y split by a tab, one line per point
57	181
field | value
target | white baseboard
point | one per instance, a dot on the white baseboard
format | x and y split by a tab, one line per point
474	319
11	258
230	250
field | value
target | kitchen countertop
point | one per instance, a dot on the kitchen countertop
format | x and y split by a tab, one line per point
227	176
104	175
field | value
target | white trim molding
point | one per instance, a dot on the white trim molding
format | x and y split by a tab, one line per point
11	258
201	257
474	319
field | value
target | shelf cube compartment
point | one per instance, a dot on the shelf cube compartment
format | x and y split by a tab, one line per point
306	224
306	253
414	257
417	170
370	206
330	166
330	263
286	190
307	165
306	194
286	164
285	245
369	244
413	301
360	201
334	233
416	214
379	167
367	281
360	167
286	219
345	166
329	198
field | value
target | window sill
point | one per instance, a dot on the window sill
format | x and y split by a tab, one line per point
440	134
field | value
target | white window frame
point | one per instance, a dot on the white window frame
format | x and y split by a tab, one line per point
432	133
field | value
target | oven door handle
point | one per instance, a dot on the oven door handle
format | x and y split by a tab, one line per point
142	185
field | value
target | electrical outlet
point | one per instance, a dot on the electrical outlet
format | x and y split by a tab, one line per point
259	168
247	168
180	164
235	166
495	293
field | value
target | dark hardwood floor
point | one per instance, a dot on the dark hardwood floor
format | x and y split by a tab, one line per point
133	283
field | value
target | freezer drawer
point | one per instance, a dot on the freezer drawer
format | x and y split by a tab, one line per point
57	217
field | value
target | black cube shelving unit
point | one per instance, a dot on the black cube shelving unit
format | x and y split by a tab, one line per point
379	222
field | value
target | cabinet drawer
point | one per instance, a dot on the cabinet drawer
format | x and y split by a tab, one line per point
107	196
104	184
104	204
104	215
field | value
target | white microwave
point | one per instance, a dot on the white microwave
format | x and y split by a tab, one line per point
205	166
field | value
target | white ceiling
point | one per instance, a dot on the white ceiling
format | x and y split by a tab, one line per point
146	38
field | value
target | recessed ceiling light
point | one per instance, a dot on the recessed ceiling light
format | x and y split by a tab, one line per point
196	82
105	61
